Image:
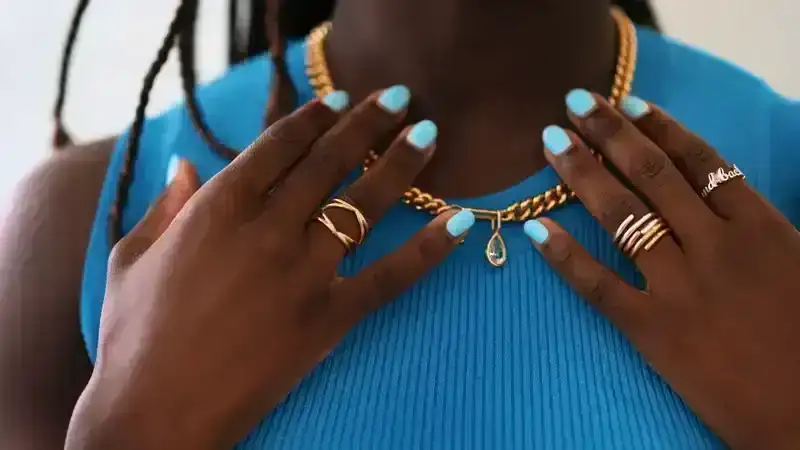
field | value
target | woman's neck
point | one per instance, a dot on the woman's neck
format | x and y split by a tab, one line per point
492	75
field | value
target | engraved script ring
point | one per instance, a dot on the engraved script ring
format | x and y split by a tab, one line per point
719	177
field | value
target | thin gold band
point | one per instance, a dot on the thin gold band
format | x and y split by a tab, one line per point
634	235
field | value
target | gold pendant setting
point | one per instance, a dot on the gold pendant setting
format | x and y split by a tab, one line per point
496	251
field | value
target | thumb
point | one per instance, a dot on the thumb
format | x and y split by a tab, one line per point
183	184
377	284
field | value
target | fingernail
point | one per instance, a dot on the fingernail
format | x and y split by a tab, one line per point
556	139
394	99
634	107
172	168
536	231
460	223
422	135
336	100
581	102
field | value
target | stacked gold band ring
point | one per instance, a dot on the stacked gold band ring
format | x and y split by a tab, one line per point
643	234
346	240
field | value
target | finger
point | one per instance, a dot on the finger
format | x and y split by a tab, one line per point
375	192
336	154
638	159
624	305
353	298
606	198
183	183
253	174
699	163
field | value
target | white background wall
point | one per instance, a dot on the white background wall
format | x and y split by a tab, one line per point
119	40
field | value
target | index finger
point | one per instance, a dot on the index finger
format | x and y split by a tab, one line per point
700	164
270	156
637	158
353	298
337	153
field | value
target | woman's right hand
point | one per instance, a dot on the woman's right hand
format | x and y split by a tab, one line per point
210	319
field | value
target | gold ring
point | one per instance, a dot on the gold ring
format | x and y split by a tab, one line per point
719	177
634	235
346	240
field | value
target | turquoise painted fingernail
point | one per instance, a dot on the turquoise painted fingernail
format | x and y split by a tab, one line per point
172	168
536	231
460	223
581	102
556	139
394	99
422	135
634	107
336	100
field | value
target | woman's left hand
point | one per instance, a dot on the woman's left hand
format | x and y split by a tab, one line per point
719	319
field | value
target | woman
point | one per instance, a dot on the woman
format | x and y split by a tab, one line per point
209	323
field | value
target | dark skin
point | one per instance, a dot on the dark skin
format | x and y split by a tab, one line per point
60	198
718	319
728	404
486	73
259	208
176	364
42	251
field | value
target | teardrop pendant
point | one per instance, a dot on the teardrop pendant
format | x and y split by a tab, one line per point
496	252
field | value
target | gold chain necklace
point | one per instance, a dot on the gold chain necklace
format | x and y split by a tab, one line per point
531	207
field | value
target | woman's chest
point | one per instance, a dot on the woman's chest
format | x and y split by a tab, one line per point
475	357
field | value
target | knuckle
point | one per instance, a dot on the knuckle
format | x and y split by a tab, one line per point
695	151
601	288
329	160
577	163
286	131
617	209
561	250
127	250
701	152
381	286
650	167
118	254
431	248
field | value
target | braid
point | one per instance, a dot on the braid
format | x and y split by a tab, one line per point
283	95
236	53
126	173
257	42
61	138
247	35
189	80
263	24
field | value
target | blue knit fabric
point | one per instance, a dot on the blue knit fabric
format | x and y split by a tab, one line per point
474	357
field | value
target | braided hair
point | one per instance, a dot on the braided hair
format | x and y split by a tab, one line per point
269	24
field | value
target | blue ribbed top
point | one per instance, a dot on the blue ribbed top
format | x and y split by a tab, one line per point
474	357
